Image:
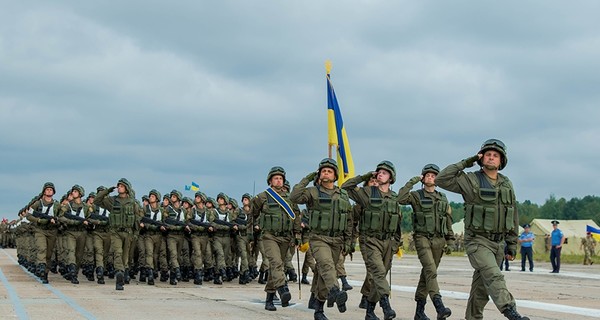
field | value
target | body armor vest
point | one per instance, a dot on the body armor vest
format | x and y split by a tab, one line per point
382	216
47	210
273	218
429	215
122	214
329	216
493	209
200	216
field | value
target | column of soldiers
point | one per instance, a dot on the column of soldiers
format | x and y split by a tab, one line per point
218	240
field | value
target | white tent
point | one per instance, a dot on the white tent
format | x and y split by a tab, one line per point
574	231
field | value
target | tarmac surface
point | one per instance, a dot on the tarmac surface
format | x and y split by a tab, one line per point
574	293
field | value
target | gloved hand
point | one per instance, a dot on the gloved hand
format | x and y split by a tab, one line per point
311	176
111	189
367	176
469	162
413	180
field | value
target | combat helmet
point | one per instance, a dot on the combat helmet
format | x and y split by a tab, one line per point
211	201
80	189
389	167
275	171
246	195
155	193
201	195
188	200
49	185
233	203
430	168
328	163
497	145
177	194
127	186
223	196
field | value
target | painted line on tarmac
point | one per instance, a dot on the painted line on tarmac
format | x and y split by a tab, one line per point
14	297
520	303
86	314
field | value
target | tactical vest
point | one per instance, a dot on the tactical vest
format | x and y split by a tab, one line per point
493	209
221	215
382	216
429	216
200	216
329	216
122	214
273	218
176	215
48	210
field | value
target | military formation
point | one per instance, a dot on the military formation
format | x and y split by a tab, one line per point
170	237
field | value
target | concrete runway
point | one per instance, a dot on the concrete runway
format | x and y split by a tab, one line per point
572	294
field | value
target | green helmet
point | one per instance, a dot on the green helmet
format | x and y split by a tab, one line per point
92	195
201	195
389	167
155	193
80	189
223	196
233	202
49	185
246	195
167	196
212	201
430	168
286	184
145	198
275	171
328	163
189	201
494	144
127	185
100	188
177	194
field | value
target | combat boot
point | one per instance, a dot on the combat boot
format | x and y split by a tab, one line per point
235	272
73	274
43	273
338	297
164	275
512	314
345	285
420	311
185	274
209	274
228	274
370	315
62	269
53	266
284	295
312	301
173	277
178	274
110	270
388	312
198	277
150	279
261	277
219	276
304	280
442	311
100	275
319	313
90	272
269	302
120	281
143	274
127	276
253	272
363	302
292	276
244	278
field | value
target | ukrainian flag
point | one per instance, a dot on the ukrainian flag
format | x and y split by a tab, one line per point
337	133
195	186
595	232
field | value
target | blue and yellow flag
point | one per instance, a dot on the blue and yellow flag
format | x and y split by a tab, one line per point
595	232
195	186
337	133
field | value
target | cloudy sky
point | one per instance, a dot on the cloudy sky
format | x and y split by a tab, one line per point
217	92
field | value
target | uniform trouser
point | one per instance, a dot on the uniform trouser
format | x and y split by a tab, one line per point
526	253
134	252
309	262
163	255
587	258
252	256
45	240
186	251
326	251
152	241
340	270
555	258
60	247
430	251
199	243
141	251
241	252
379	261
101	247
485	256
222	250
289	257
276	249
88	249
174	246
367	283
120	244
30	238
264	266
75	240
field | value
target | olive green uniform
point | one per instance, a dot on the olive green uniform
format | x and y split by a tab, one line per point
101	240
202	258
72	215
152	237
41	213
175	219
240	219
589	247
221	240
490	219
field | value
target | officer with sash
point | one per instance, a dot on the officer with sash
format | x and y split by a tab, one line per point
330	223
379	225
432	234
125	216
491	218
275	218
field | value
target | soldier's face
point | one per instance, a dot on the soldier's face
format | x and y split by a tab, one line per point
75	194
174	198
48	192
491	159
165	202
121	188
246	201
429	179
383	176
220	201
277	181
327	175
152	198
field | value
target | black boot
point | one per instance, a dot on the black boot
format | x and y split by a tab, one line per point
284	295
442	311
304	280
370	315
185	274
120	281
312	301
345	285
127	276
90	272
198	277
388	312
512	314
219	276
53	267
261	277
292	276
110	270
62	269
178	274
164	276
244	277
143	274
150	279
269	302
209	274
253	272
338	297
100	275
228	274
73	271
420	312
319	314
363	302
43	273
173	277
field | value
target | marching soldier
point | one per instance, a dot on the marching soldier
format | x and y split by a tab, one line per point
330	223
491	218
201	247
589	248
240	219
432	229
73	215
219	218
101	239
151	223
379	226
175	218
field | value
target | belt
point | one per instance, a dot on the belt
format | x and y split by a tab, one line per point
122	229
496	237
